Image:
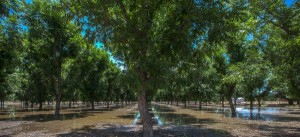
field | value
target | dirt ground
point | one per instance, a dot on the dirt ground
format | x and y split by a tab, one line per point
117	122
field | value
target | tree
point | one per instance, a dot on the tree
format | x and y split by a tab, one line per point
93	64
58	38
255	72
111	75
149	35
280	25
10	42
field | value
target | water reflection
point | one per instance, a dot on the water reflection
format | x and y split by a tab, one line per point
264	113
136	118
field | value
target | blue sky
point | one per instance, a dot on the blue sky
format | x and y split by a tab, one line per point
289	2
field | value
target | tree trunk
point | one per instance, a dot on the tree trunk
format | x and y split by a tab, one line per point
57	82
200	105
184	104
251	104
291	102
70	103
222	99
195	102
93	105
145	115
232	108
177	103
259	101
31	105
235	101
298	102
40	105
107	104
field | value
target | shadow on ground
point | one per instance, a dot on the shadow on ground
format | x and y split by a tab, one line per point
46	117
276	131
134	131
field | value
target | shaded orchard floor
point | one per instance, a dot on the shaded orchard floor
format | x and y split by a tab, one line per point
169	120
284	122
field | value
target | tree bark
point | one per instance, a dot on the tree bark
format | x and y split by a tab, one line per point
57	81
222	100
200	105
107	104
93	105
235	98
233	112
259	102
70	103
145	115
251	104
40	105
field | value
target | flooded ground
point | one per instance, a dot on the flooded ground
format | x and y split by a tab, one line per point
167	120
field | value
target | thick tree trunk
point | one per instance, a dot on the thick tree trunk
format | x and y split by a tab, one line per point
57	105
251	105
177	103
40	105
145	115
298	102
184	104
232	108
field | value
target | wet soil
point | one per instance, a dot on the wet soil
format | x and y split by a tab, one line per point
173	121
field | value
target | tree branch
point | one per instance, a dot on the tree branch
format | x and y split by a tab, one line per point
122	6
